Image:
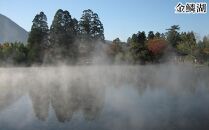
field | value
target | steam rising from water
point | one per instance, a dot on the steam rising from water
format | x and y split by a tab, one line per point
105	97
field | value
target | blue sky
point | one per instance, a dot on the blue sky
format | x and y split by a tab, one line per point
121	18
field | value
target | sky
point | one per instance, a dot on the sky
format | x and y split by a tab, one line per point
120	18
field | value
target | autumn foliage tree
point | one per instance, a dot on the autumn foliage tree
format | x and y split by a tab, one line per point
157	48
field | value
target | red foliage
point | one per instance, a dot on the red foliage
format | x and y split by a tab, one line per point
157	46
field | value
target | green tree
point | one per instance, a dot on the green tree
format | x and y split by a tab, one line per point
162	36
138	48
90	26
173	36
157	35
13	53
90	32
187	43
85	24
97	30
63	32
151	35
206	42
204	49
76	27
20	54
141	38
38	38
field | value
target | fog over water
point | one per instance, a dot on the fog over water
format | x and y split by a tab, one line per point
150	97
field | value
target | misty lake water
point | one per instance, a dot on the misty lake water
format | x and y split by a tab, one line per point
160	97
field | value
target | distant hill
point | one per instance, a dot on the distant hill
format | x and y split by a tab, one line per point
10	31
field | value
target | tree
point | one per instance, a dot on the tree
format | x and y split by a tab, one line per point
90	26
38	38
157	35
97	30
138	48
91	31
204	49
76	27
187	43
141	38
157	48
151	35
21	53
162	36
173	35
63	32
85	24
13	53
206	41
116	47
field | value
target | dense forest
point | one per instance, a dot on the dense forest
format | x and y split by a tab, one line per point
69	40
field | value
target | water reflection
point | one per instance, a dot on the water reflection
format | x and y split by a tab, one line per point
105	98
40	98
78	96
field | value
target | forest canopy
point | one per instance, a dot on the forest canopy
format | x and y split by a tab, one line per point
70	40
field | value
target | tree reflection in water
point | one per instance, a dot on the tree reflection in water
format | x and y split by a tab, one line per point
114	97
66	100
40	99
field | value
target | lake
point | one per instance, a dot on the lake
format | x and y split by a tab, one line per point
152	97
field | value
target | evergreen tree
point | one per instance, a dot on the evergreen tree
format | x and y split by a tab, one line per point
204	49
151	35
63	32
97	30
173	36
90	26
141	38
157	35
138	48
76	27
187	43
38	38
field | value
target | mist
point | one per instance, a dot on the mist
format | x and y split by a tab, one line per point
71	72
163	96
